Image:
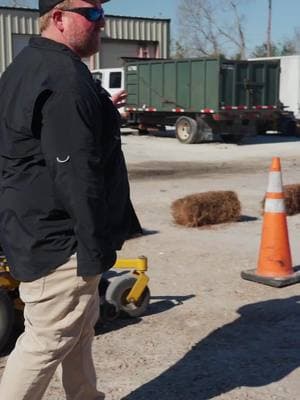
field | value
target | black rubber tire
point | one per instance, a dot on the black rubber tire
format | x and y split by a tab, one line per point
117	292
108	311
261	127
289	128
187	130
7	316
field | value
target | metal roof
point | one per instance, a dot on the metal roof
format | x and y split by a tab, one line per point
18	21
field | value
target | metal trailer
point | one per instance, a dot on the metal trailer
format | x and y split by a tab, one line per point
289	87
204	98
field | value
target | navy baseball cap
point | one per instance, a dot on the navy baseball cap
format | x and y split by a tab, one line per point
47	5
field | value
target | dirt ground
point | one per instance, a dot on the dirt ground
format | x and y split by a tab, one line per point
207	334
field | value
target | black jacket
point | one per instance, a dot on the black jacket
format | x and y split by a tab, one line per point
64	185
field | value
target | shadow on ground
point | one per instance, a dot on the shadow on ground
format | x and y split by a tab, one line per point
258	348
167	133
165	303
158	304
248	140
17	331
269	138
247	218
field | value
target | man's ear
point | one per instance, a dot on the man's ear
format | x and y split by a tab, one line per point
57	19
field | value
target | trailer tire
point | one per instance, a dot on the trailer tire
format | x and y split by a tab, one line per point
261	127
289	127
187	130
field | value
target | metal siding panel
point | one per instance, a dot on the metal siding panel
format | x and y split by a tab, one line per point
154	29
2	44
227	84
125	31
197	85
27	26
14	24
183	84
257	79
169	86
107	31
241	77
131	86
8	44
144	81
19	24
136	31
113	28
166	41
36	26
272	79
131	29
212	84
147	26
156	85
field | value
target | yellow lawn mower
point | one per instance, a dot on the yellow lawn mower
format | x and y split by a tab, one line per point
126	294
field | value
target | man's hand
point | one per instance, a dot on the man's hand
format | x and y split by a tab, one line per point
119	98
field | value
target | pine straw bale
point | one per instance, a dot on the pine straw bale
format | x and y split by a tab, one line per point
206	208
291	199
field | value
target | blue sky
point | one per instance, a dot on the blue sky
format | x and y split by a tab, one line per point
286	15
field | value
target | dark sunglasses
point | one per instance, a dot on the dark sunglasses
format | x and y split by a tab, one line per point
92	14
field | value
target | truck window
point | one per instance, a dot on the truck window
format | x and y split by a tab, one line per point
115	80
97	75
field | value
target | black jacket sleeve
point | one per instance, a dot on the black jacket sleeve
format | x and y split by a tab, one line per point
73	154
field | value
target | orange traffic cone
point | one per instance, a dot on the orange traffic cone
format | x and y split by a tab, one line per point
274	266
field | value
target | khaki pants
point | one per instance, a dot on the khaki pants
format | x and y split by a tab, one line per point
60	312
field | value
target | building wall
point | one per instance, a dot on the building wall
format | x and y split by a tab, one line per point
149	36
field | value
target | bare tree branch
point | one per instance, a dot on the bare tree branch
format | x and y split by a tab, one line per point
206	26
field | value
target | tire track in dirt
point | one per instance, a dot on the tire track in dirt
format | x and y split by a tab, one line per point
181	170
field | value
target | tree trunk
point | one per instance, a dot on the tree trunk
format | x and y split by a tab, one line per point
269	41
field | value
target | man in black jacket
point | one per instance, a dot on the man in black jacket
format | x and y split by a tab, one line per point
63	200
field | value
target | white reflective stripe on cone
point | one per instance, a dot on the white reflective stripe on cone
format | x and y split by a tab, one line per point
275	182
274	206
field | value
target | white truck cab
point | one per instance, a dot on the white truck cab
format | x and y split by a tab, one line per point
112	78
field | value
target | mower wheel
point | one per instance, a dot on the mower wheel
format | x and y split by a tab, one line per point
118	291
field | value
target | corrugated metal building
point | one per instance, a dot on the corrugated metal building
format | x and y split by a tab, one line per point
122	37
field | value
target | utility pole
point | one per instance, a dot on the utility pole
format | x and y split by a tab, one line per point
269	40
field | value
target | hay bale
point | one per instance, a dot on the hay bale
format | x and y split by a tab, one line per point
206	208
291	199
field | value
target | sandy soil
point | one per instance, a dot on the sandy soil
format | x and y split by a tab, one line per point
207	334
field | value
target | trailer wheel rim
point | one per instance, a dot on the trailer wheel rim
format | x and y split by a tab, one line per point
183	130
